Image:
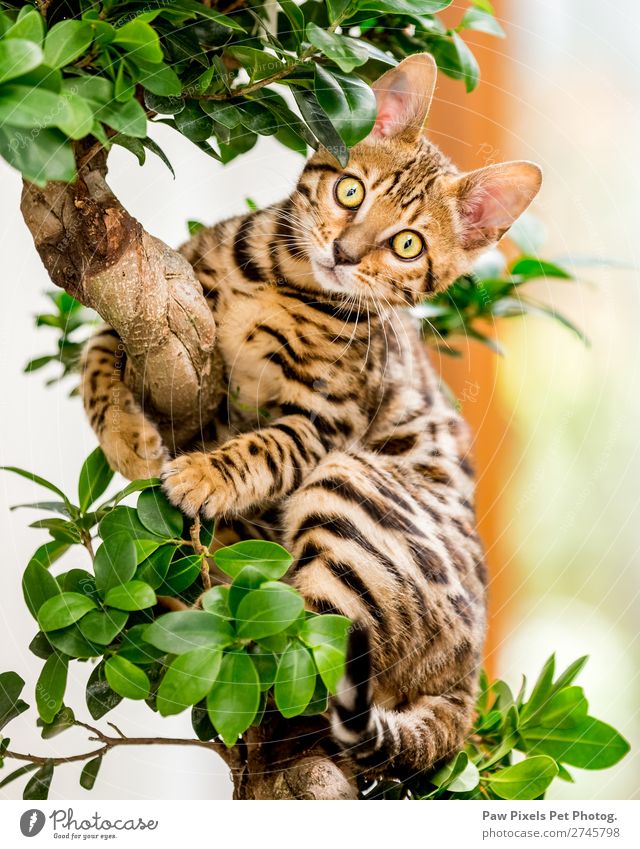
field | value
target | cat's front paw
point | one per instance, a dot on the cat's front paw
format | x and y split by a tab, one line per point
194	485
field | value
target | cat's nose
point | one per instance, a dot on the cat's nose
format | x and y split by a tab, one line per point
341	256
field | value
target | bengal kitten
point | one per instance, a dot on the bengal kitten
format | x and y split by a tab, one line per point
361	469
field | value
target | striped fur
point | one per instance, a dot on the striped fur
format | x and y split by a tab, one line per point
336	439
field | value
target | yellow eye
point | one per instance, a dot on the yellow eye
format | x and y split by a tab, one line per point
407	244
349	192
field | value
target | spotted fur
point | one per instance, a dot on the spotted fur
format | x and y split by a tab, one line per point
336	438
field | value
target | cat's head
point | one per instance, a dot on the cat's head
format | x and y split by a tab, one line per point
399	222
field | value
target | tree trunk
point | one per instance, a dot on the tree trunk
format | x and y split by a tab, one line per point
145	290
291	759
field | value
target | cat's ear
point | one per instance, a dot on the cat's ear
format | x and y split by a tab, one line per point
404	96
490	199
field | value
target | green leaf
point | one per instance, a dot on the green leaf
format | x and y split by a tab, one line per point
570	673
27	107
233	700
591	744
158	515
266	611
330	662
481	21
95	477
542	689
99	696
328	628
182	573
247	579
71	641
90	773
51	686
165	105
103	626
193	123
40	646
460	775
269	558
38	786
162	81
127	679
38	586
17	57
140	41
188	680
530	267
124	520
134	595
528	779
48	553
40	158
64	719
28	26
319	123
347	53
153	569
76	119
295	681
17	773
469	70
295	15
66	41
566	708
159	152
216	600
11	705
409	7
266	663
186	630
337	8
115	561
63	609
128	118
37	479
349	103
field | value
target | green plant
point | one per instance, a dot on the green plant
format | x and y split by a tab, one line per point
106	69
236	651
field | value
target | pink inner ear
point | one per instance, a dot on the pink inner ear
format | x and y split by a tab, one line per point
490	205
392	109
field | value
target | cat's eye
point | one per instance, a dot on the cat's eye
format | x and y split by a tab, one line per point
349	192
407	244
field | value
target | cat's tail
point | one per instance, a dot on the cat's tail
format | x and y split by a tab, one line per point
426	732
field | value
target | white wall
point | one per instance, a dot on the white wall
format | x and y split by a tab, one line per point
43	430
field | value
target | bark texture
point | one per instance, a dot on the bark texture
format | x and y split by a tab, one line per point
95	250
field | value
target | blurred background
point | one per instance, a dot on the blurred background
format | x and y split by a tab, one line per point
556	422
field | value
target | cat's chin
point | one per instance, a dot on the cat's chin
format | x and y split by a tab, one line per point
330	279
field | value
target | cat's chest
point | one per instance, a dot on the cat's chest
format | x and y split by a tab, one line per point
273	350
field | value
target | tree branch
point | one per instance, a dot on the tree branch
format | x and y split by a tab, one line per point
145	290
113	742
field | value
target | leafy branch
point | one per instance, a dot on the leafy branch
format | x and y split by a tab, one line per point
237	649
103	71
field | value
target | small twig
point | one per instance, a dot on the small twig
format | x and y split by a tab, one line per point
113	742
199	548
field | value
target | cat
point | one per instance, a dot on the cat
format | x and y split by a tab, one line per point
359	465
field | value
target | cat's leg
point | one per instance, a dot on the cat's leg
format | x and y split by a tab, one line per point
371	541
249	470
131	442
